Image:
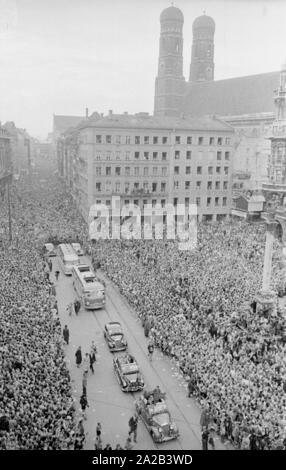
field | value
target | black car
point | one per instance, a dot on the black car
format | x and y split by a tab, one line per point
114	336
127	373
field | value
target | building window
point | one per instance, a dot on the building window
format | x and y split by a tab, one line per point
117	187
128	140
136	155
145	186
136	202
117	170
108	155
218	155
225	185
175	201
176	185
226	170
216	201
198	184
164	140
98	201
189	140
226	155
98	154
224	200
188	170
163	187
127	155
155	155
187	201
137	140
145	171
219	140
187	185
118	139
164	171
177	154
210	170
155	170
218	170
107	202
108	139
210	185
126	187
178	139
98	139
126	202
117	155
146	155
211	140
176	170
108	171
108	186
154	187
98	187
145	202
209	200
127	171
227	141
188	155
136	186
98	171
163	202
136	171
164	156
154	201
199	170
201	140
198	201
146	139
155	140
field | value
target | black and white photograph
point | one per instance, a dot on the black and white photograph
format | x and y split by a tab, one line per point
142	228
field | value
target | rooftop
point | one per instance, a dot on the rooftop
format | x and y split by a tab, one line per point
251	94
61	123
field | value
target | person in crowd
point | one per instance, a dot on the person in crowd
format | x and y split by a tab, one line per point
150	348
78	356
57	274
133	423
84	404
128	444
84	382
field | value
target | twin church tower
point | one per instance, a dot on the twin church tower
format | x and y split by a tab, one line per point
171	86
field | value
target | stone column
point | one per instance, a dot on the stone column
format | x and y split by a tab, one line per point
266	298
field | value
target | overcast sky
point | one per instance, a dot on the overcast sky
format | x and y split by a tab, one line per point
61	56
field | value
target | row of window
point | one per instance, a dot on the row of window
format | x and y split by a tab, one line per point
154	187
217	186
156	156
216	202
138	140
218	170
127	171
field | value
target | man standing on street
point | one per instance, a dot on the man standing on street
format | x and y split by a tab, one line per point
78	356
133	422
66	334
84	383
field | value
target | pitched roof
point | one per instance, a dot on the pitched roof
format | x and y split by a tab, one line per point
144	121
62	123
234	96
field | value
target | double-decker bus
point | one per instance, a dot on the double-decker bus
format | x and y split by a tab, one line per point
90	290
67	258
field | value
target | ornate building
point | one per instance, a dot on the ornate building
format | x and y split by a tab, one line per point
202	64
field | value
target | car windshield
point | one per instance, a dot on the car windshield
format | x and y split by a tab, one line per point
115	333
162	419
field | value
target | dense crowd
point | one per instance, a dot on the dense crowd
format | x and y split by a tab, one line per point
36	404
199	307
201	310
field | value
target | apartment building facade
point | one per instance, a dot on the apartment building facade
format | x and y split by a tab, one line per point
149	160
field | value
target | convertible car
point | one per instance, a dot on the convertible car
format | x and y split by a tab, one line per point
127	373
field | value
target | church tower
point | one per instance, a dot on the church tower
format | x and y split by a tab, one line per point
170	83
202	62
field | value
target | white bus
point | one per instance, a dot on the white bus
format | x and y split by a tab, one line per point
67	258
90	290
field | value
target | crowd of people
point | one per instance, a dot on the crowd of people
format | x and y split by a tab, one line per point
197	306
200	309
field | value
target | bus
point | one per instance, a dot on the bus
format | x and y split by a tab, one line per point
88	287
67	258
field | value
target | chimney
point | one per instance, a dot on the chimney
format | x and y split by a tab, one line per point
86	113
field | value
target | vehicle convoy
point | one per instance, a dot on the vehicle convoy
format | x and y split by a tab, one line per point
152	409
114	336
90	290
127	373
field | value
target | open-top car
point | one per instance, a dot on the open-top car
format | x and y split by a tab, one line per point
127	373
49	250
156	417
114	336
